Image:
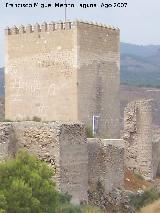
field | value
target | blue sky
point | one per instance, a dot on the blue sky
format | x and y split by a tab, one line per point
139	21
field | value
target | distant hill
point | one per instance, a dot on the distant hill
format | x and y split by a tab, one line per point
139	50
140	65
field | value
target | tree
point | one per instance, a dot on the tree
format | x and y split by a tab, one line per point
26	186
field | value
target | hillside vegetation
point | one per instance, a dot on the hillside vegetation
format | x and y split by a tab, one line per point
140	65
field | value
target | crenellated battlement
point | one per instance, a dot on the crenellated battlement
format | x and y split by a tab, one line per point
44	27
98	24
52	26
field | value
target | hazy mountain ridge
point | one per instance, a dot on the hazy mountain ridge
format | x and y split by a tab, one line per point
140	65
139	50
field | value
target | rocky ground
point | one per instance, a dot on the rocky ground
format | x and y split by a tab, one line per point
119	200
134	182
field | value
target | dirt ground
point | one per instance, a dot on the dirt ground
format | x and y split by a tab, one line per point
135	182
152	208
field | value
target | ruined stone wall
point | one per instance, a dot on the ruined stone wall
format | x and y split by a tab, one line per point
138	137
98	62
105	164
79	163
156	159
7	141
40	72
156	151
62	146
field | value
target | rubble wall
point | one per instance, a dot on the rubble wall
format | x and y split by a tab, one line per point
62	146
105	163
138	137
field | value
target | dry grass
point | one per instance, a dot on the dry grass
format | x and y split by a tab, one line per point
89	209
152	208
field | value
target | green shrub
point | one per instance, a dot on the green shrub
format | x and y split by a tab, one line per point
6	120
68	208
140	200
89	132
36	119
139	176
26	186
90	209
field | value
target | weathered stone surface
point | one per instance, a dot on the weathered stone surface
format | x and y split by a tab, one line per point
138	137
105	164
64	74
98	78
77	161
115	201
7	141
156	151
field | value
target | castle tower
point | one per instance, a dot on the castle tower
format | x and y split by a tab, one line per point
64	72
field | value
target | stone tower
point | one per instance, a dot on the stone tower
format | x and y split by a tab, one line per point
65	72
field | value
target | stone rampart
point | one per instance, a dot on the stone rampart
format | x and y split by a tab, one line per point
105	163
7	141
138	137
62	146
79	163
156	151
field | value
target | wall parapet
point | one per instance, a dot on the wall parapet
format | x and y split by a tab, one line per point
52	26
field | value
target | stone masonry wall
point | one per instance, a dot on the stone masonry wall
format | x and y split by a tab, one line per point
156	159
105	164
64	72
7	141
156	151
99	77
79	163
138	137
40	72
62	146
